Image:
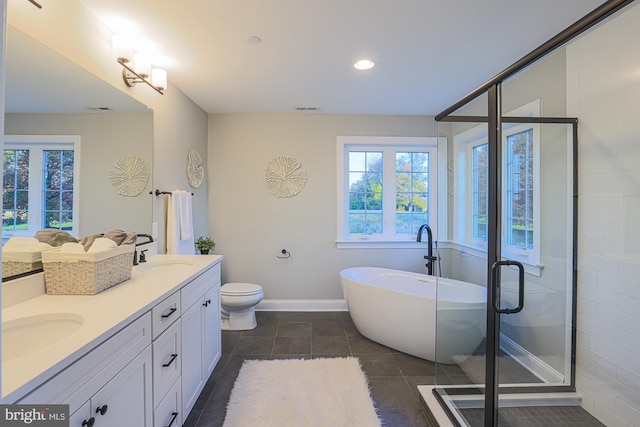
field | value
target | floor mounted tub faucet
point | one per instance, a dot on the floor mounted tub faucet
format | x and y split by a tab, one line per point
429	257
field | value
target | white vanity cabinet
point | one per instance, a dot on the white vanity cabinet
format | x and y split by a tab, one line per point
153	365
109	386
201	335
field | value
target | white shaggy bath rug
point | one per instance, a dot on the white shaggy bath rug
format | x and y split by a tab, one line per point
301	393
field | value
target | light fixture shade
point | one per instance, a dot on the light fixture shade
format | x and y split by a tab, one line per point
159	78
121	48
142	64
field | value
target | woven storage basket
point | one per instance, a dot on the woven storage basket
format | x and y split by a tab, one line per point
70	273
14	263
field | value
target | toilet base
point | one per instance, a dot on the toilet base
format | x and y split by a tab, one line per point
243	320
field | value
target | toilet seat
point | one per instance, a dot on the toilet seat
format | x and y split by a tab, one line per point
240	289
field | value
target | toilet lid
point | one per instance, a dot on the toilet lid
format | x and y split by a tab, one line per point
240	289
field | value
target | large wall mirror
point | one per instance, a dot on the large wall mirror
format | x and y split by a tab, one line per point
48	95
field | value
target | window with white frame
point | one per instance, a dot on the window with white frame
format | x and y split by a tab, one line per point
40	185
520	185
386	188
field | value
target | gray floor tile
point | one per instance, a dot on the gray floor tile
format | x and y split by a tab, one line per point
360	344
327	328
403	417
414	366
330	345
292	345
392	392
254	345
294	329
379	365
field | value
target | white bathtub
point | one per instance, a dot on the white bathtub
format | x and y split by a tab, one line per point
398	309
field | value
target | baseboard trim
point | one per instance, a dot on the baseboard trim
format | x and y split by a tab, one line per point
530	361
302	305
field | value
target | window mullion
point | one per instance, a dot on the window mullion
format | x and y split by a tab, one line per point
389	192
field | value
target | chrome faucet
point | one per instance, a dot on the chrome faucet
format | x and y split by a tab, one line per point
429	257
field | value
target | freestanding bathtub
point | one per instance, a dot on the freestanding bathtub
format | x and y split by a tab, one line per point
398	309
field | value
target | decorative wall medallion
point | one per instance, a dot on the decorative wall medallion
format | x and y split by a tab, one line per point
283	176
195	171
130	176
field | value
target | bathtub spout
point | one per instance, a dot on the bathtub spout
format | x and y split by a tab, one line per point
429	257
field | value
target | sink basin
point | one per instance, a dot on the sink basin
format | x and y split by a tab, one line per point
28	334
164	264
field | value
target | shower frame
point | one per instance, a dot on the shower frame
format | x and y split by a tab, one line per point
494	119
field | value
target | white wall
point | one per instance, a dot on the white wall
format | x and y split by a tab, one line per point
104	139
604	76
251	226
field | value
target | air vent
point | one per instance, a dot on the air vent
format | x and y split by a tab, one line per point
306	108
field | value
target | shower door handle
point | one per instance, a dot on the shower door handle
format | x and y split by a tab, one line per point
494	287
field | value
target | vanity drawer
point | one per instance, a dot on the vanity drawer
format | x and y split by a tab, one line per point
192	293
167	413
166	361
165	313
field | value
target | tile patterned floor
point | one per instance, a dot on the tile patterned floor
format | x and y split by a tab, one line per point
393	376
536	416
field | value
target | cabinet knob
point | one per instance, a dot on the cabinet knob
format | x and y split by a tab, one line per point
89	422
101	409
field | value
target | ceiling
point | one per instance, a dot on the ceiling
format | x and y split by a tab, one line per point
428	53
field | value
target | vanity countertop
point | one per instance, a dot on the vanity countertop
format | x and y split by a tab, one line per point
104	315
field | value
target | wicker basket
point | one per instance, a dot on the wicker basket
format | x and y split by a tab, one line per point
15	263
70	273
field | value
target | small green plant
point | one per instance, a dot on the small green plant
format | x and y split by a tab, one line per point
205	244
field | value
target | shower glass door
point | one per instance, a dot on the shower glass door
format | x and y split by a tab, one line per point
533	290
535	237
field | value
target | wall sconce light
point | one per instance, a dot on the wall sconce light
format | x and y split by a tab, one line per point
138	71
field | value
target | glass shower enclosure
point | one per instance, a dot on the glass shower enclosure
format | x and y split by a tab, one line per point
508	224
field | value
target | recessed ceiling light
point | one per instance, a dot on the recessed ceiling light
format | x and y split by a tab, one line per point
254	39
363	64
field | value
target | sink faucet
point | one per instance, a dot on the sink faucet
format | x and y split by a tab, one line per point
429	257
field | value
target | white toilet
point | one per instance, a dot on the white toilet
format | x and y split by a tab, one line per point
238	301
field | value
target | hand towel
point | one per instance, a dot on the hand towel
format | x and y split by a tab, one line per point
186	216
176	214
25	244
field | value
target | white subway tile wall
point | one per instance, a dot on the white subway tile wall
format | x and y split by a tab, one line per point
603	75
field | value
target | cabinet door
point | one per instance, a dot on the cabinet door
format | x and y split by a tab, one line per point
82	417
191	356
212	333
126	400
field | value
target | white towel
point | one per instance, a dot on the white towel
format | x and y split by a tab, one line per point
186	217
102	244
179	212
72	247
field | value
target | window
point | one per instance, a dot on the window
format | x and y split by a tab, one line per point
40	186
479	185
386	188
520	186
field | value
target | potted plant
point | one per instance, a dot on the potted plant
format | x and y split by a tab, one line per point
205	244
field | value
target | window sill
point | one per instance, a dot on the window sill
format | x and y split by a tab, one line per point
380	244
481	252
